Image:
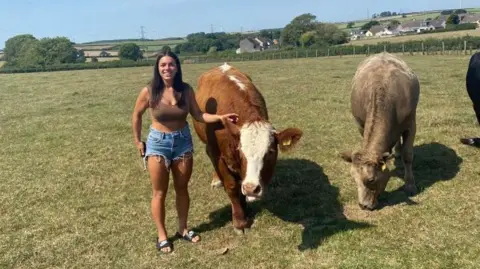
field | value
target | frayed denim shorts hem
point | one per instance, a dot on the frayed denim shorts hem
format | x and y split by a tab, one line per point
171	146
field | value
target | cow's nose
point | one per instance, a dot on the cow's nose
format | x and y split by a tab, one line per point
251	189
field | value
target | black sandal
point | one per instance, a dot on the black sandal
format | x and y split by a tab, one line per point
189	236
164	244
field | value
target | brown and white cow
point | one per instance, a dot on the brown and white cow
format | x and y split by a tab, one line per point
244	153
384	98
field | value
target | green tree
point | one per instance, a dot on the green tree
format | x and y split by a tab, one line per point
178	49
369	25
166	48
307	39
393	24
15	44
266	34
48	51
453	19
57	50
350	24
81	56
130	51
29	55
298	26
328	33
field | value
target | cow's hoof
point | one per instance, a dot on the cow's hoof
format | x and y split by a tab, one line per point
410	189
239	231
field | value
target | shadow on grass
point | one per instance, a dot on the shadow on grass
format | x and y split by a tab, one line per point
299	193
432	162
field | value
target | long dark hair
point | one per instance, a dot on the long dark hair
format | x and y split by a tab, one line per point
157	86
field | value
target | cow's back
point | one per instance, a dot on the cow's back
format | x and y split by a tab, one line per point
223	90
389	82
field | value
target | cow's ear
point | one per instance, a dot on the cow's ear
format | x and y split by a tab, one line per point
288	138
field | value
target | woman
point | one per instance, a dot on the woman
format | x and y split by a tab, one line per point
169	143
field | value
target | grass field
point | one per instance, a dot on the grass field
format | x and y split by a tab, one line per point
74	194
400	39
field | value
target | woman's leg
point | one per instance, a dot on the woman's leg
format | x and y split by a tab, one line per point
182	171
159	179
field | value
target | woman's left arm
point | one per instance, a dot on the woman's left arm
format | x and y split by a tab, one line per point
198	115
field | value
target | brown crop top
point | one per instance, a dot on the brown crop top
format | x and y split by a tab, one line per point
166	113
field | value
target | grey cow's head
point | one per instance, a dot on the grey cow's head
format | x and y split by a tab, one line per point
371	174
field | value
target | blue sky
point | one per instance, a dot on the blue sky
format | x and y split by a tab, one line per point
88	20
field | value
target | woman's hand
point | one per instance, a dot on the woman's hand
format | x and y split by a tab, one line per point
230	117
141	147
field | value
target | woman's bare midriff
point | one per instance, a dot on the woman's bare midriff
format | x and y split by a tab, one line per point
168	127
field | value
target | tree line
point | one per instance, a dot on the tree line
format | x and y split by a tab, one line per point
26	51
303	31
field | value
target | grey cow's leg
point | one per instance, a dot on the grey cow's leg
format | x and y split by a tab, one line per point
407	158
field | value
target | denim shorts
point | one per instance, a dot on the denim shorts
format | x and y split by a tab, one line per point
169	145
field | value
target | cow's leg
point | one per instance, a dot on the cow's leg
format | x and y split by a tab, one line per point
237	199
398	148
407	158
232	188
216	182
476	108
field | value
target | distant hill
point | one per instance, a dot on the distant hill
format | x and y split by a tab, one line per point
116	41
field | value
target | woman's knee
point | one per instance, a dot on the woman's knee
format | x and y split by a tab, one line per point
159	194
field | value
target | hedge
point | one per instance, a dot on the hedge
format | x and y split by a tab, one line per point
428	46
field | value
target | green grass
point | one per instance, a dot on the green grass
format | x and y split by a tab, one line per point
2	63
73	193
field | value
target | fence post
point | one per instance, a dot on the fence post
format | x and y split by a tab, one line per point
465	47
403	48
423	49
368	50
353	51
316	53
443	47
384	48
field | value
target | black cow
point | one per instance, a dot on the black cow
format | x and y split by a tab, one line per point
473	89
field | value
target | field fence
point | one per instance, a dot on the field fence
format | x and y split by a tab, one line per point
406	49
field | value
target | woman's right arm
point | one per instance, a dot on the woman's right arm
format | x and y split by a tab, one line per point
140	106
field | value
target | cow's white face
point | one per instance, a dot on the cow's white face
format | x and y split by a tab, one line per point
258	149
259	145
